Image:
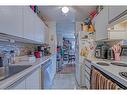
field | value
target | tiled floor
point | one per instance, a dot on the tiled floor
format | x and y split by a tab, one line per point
64	81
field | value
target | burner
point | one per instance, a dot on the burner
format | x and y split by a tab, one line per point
119	64
103	63
123	74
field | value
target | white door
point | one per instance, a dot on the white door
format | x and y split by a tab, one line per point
11	20
29	21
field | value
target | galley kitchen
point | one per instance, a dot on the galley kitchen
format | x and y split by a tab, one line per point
63	47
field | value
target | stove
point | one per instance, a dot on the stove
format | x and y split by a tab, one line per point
123	74
119	64
103	63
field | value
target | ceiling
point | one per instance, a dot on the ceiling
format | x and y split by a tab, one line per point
67	29
76	13
65	23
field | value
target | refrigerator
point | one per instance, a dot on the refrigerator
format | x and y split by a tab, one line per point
80	44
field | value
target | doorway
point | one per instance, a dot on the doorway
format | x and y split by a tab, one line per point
65	47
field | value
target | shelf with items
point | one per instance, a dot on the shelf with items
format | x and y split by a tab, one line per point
59	58
66	48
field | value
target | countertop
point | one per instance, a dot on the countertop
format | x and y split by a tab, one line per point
111	70
7	82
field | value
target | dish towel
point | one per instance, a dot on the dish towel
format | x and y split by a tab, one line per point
98	81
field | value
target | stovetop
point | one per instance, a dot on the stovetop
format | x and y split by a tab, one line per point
123	74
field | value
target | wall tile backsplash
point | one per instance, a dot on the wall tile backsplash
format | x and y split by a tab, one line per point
20	49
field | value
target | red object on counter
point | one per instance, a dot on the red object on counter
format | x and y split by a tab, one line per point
32	7
37	54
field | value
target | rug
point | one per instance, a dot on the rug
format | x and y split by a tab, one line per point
67	69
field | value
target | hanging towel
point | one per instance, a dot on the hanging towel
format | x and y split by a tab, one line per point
98	81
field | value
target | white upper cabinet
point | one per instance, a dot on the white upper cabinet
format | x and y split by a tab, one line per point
11	20
114	11
28	23
34	28
21	21
101	22
40	31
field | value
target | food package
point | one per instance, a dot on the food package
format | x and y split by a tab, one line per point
91	28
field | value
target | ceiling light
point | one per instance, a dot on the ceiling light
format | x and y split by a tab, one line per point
65	10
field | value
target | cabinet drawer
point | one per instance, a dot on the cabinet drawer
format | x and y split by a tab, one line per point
87	83
88	65
88	70
87	76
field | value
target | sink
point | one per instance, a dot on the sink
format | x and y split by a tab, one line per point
103	63
119	64
11	70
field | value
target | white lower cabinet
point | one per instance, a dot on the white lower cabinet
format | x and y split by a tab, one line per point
53	66
33	80
20	85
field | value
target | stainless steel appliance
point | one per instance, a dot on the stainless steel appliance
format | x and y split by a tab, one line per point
110	54
101	51
98	53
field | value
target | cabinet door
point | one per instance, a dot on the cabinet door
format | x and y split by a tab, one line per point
11	20
20	84
101	22
39	33
29	26
53	66
117	35
33	80
114	11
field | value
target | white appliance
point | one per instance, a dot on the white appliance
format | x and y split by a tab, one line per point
79	74
46	75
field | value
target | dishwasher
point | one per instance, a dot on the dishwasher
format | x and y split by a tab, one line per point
46	75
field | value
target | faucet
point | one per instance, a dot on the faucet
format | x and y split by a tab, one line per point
6	59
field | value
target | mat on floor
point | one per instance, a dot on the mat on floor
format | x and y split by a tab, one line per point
68	69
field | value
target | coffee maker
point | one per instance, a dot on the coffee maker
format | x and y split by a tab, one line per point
101	51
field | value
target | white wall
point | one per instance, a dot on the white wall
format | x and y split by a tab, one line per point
66	30
59	38
52	34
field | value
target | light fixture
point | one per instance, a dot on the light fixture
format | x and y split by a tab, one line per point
65	10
